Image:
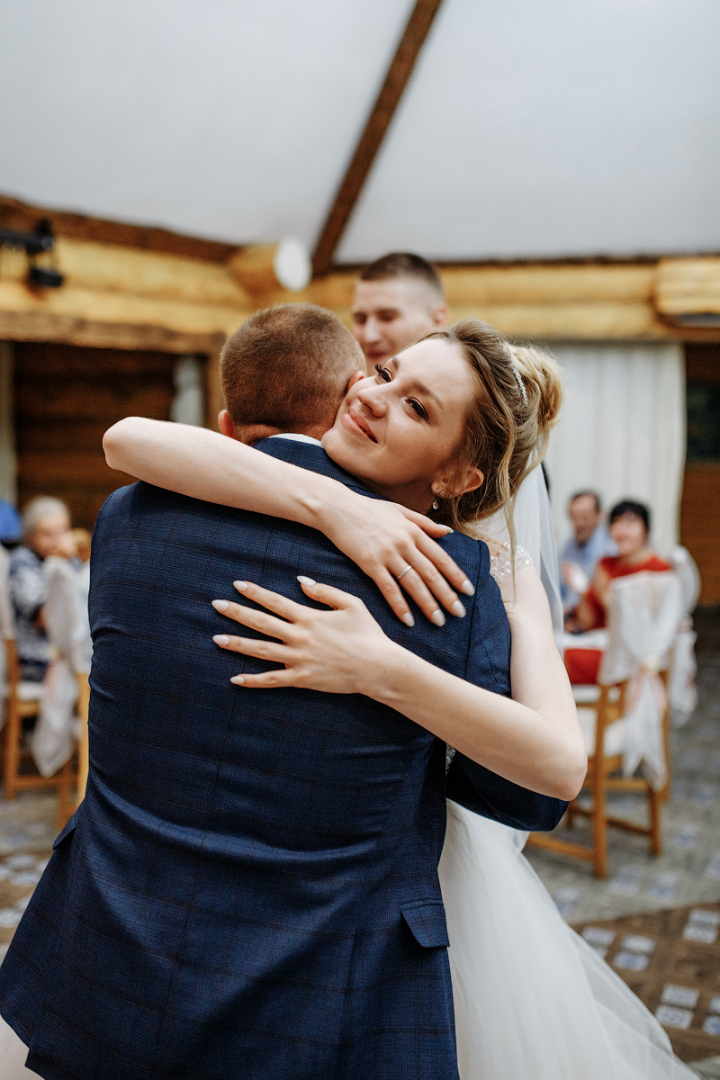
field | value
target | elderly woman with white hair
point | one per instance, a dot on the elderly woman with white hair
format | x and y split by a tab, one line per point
46	531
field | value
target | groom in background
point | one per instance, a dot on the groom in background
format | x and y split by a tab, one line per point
250	887
398	300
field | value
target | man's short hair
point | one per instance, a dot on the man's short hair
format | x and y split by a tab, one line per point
403	264
587	495
287	367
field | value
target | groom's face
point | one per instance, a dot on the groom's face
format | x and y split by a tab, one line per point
391	314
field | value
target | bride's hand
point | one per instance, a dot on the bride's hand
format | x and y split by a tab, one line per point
332	651
384	539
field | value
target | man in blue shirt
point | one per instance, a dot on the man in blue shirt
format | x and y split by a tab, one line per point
585	549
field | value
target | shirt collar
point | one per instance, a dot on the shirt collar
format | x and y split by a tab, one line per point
295	437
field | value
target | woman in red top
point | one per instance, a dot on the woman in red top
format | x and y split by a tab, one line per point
629	528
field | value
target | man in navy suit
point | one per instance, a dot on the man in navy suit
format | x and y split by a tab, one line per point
249	888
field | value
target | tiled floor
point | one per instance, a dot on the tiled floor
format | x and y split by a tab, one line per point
671	960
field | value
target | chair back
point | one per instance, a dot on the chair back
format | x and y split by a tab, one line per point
644	613
67	625
689	576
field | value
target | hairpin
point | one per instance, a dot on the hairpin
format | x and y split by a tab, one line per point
521	384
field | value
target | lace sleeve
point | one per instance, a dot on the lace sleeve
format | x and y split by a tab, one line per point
501	564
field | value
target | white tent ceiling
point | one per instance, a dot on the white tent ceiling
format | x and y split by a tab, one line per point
530	128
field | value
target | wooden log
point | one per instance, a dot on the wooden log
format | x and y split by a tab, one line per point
560	321
24	217
533	285
134	272
263	270
43	326
55	471
95	400
116	307
688	287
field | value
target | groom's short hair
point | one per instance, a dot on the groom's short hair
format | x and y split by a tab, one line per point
288	367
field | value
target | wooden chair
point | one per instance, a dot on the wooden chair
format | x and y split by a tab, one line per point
602	711
24	701
605	775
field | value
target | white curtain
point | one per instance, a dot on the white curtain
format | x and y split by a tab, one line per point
622	432
188	404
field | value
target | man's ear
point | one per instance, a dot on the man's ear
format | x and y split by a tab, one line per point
226	425
356	378
440	315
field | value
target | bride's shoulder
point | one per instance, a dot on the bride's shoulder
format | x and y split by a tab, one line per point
501	559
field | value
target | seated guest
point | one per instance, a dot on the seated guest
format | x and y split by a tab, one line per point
629	528
46	531
585	549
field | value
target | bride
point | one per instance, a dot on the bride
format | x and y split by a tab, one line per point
532	1000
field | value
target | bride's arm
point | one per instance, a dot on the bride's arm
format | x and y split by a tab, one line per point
538	676
536	745
380	537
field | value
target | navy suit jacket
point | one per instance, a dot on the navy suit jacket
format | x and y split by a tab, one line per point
250	887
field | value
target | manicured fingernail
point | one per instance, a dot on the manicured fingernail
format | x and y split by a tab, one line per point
438	618
238	680
220	605
241	586
468	588
221	639
458	609
306	580
408	619
449	530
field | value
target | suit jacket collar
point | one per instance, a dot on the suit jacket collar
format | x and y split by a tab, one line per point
311	457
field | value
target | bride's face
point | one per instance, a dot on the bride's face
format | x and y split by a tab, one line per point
399	429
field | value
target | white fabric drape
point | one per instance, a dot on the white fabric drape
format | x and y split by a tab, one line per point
69	634
644	613
622	431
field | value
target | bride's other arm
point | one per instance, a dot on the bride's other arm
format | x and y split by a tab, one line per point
538	676
216	469
537	746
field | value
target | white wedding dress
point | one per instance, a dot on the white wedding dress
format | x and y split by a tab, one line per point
532	999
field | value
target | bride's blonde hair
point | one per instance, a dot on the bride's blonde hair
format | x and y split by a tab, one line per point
519	393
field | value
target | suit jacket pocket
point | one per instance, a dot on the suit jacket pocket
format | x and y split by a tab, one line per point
426	919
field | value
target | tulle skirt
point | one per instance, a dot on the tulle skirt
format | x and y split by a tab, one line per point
532	999
13	1053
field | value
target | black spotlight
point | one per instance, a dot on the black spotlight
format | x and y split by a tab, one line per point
44	277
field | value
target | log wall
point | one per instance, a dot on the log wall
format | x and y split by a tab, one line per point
65	399
700	507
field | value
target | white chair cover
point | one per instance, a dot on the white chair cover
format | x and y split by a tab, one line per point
68	632
682	689
643	616
6	628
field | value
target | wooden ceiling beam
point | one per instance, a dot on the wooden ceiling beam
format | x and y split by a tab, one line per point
386	103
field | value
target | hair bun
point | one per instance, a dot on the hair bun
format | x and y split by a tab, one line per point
543	381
